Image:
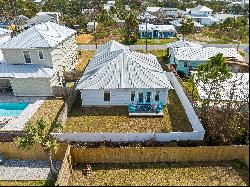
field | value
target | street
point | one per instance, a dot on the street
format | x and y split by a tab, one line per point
163	47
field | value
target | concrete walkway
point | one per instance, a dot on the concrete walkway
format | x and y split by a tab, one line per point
191	114
26	169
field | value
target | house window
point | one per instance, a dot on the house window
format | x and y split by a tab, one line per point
132	95
27	57
185	64
140	97
148	100
40	53
157	96
106	95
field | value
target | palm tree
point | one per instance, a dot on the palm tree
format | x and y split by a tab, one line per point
39	133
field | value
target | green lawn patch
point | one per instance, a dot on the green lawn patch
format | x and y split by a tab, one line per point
115	119
163	174
27	183
161	41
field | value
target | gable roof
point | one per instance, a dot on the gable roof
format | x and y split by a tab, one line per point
202	8
177	23
115	66
25	71
183	43
4	31
45	35
204	54
237	86
153	9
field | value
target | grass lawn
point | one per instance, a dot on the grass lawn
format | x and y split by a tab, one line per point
151	174
116	119
84	38
27	183
162	41
49	111
84	57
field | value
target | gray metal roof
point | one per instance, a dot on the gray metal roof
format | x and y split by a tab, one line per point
40	19
44	35
25	71
183	43
115	66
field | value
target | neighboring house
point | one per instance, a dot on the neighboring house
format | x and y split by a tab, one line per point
37	57
235	88
202	15
117	76
223	17
55	15
5	35
156	31
20	21
91	26
183	43
174	12
186	59
108	5
177	24
40	19
153	10
147	17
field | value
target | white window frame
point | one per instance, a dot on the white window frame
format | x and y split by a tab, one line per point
39	55
24	57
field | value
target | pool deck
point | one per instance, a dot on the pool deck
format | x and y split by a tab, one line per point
18	123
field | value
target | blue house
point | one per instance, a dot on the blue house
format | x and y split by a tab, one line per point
156	31
186	56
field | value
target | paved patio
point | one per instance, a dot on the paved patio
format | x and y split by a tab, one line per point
18	123
26	169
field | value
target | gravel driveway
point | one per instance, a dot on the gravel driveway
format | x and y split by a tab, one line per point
26	169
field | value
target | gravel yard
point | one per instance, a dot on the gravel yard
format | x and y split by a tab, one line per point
26	169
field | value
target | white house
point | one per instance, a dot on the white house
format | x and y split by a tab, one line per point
5	35
177	24
223	17
202	15
153	9
55	15
36	59
174	12
187	58
156	31
118	76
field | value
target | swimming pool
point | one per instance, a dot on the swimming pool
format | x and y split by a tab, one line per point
12	109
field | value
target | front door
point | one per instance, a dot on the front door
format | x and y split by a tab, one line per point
144	97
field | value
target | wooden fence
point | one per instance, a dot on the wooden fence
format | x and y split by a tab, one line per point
64	174
10	151
160	154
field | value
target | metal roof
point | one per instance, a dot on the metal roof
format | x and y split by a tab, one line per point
41	19
115	66
44	35
236	88
4	31
183	43
25	71
202	8
204	54
177	23
19	20
153	9
151	27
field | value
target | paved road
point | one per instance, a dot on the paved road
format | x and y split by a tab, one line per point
162	47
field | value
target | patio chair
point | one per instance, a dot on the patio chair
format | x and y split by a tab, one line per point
131	108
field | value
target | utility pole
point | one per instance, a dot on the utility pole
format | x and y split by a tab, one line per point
146	35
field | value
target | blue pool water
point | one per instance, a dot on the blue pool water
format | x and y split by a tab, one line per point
12	109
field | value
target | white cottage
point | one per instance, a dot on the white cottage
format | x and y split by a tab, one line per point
118	76
36	59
